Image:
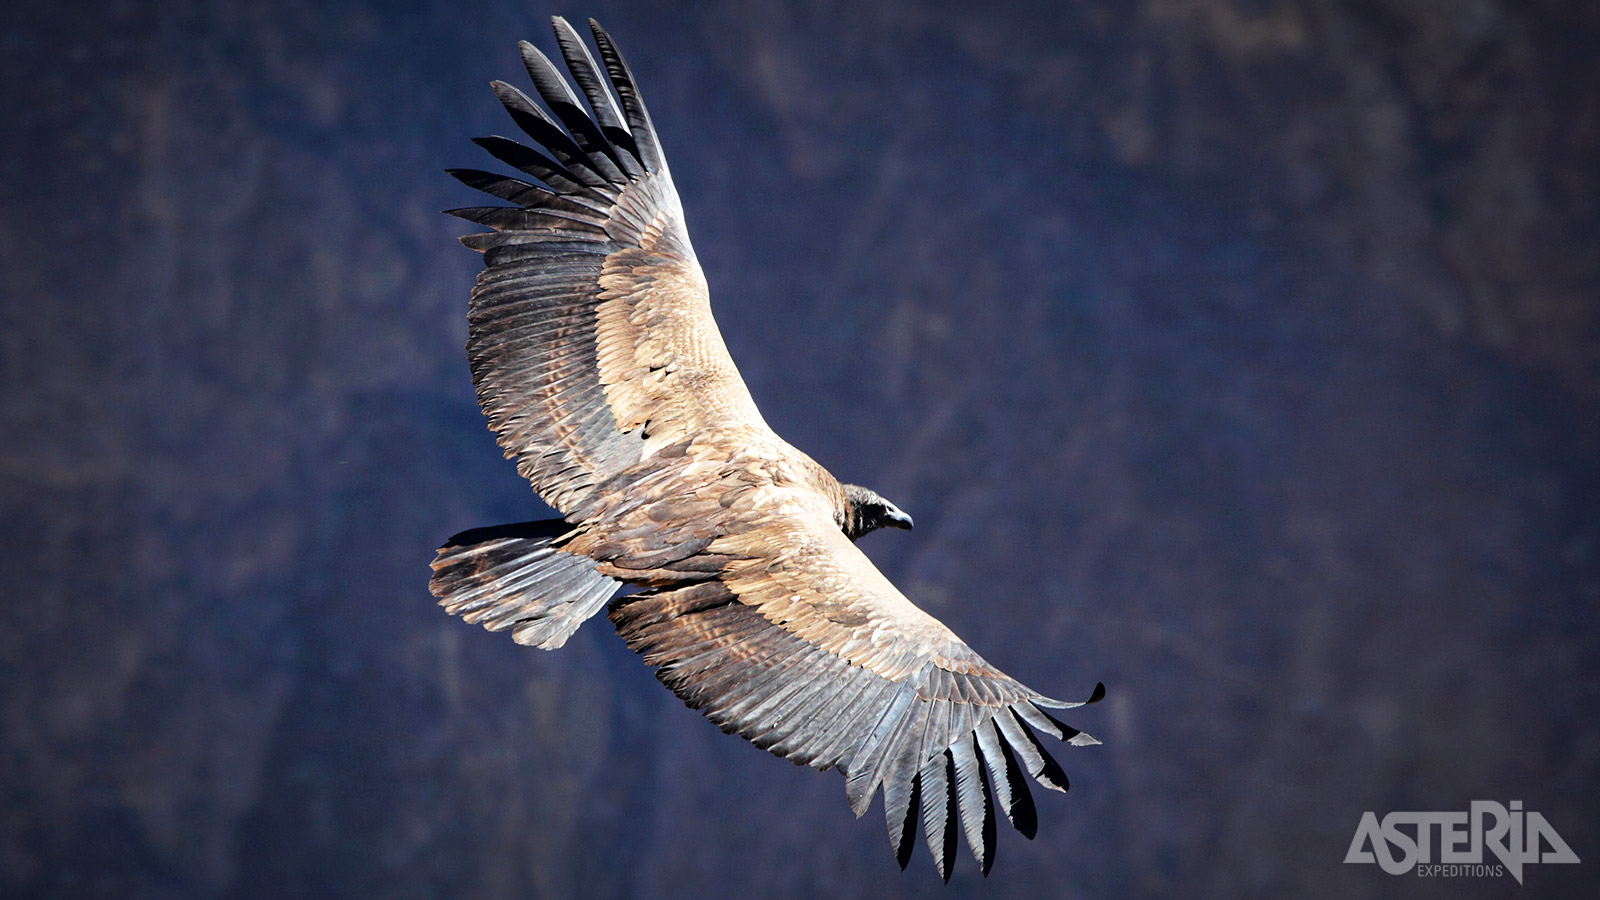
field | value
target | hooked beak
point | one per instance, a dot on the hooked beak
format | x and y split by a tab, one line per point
897	518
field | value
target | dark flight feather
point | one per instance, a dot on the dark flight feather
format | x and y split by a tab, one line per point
638	117
587	74
531	162
558	96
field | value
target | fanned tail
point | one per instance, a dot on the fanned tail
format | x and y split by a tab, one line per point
513	576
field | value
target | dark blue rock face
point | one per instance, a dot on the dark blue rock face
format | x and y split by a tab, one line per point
1242	355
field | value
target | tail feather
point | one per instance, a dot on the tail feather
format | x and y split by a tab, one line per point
513	576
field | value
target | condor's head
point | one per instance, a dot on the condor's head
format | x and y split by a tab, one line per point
865	510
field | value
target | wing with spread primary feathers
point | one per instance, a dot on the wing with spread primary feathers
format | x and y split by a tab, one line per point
780	629
590	330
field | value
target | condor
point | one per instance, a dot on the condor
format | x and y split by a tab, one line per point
604	376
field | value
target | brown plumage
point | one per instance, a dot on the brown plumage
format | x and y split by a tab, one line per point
601	370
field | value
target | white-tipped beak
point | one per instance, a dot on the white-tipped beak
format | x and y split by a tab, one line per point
899	519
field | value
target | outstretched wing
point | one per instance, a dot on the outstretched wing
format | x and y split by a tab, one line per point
590	329
795	641
597	361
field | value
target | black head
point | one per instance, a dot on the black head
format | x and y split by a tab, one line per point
866	511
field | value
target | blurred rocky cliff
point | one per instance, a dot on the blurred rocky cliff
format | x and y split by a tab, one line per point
1243	354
